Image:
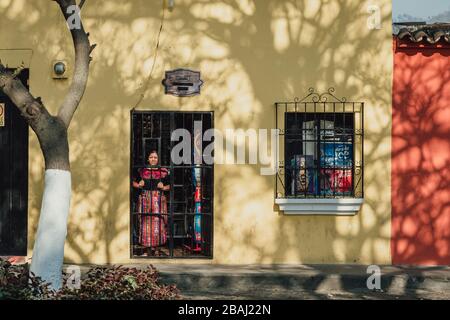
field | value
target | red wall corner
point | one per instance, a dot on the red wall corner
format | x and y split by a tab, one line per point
421	155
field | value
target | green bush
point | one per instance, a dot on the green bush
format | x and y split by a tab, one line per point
100	283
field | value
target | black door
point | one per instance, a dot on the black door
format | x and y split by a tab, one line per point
13	177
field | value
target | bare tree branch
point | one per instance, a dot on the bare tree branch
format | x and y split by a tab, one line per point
50	130
19	70
29	106
81	71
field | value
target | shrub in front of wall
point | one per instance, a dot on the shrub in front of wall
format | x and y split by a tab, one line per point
16	283
100	283
120	283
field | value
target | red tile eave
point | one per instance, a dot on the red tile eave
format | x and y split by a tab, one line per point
403	45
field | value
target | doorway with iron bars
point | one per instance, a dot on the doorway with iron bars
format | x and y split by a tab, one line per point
171	204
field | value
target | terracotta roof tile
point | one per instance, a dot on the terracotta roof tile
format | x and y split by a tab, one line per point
431	33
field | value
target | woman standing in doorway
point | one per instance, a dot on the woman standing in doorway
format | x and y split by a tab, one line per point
153	182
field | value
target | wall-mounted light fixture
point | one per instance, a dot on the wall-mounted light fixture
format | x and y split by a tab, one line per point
171	4
59	69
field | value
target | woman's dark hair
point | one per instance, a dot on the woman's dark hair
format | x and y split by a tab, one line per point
153	151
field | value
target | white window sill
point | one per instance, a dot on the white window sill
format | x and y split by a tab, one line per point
334	207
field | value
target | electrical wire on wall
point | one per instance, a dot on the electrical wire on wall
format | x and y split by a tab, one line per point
155	56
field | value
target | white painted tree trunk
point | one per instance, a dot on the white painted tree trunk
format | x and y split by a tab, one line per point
48	252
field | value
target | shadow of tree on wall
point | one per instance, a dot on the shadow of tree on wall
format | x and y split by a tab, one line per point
316	52
421	156
251	54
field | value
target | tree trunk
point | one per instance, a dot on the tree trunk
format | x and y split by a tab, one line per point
51	131
48	251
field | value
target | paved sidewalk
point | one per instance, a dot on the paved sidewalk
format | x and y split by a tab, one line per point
304	281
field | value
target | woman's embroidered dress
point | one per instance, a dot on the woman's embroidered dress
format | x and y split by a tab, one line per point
152	206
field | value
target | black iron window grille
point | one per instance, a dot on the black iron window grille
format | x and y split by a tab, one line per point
173	219
321	147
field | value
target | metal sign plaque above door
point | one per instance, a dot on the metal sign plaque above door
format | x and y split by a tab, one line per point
182	82
2	114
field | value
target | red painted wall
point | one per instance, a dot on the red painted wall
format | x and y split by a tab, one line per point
421	155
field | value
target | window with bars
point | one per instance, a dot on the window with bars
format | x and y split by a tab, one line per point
171	204
321	145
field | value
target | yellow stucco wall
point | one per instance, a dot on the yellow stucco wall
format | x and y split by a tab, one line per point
251	53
